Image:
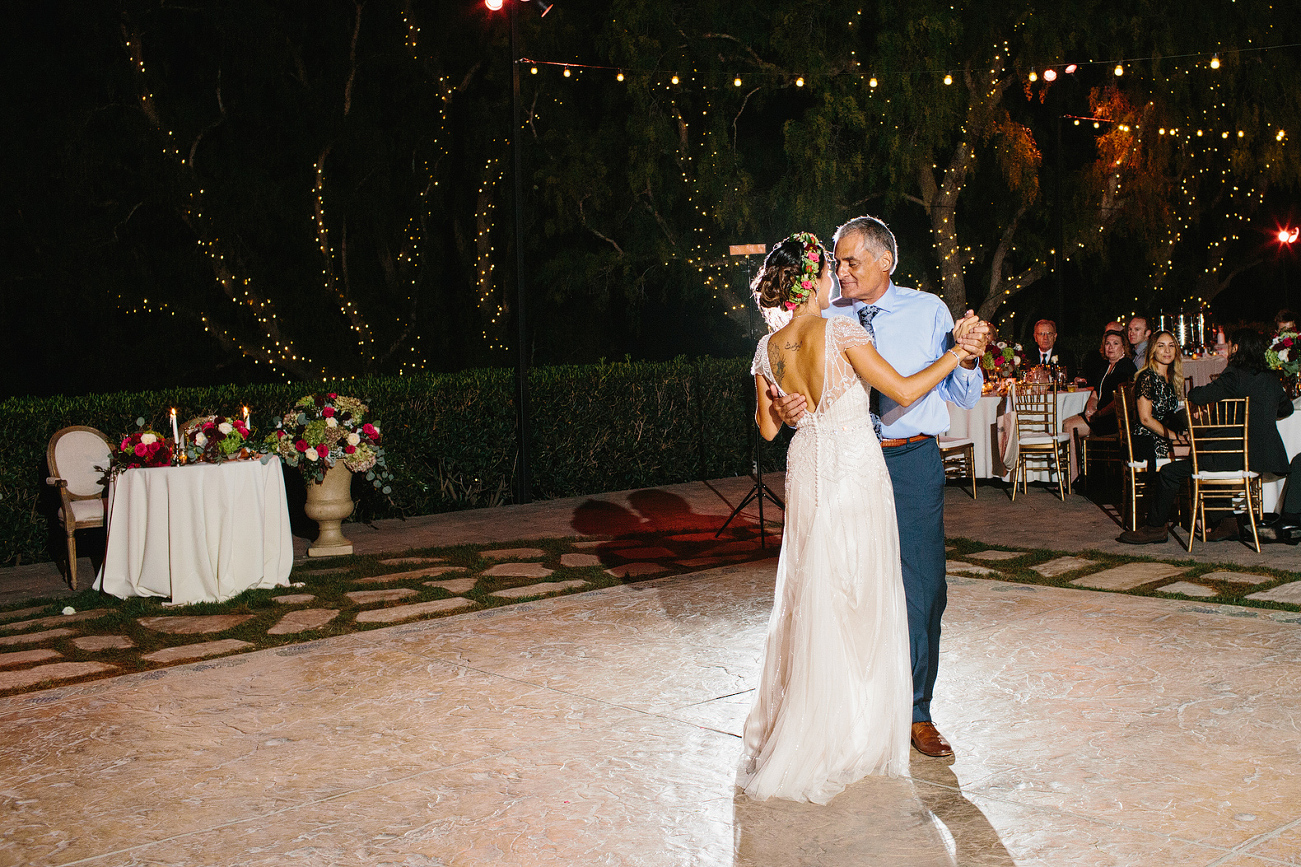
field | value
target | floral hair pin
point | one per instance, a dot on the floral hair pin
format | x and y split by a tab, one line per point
811	266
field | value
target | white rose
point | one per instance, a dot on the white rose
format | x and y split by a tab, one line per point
310	454
1016	361
331	422
200	440
69	610
353	439
1052	360
146	439
225	427
1284	354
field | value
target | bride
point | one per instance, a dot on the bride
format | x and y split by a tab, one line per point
835	699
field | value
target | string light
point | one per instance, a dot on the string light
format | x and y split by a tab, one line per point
799	82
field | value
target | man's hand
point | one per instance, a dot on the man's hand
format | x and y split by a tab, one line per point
973	340
790	407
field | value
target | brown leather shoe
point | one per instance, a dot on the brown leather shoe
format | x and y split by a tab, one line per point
928	741
1224	531
1144	535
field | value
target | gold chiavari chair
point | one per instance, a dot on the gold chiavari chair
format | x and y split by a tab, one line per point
1218	434
1038	435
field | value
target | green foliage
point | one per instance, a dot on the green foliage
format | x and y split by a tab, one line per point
449	439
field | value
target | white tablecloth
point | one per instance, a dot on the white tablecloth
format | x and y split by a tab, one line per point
1202	369
989	425
1290	429
201	533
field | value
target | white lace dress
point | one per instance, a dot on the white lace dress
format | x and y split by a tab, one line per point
835	700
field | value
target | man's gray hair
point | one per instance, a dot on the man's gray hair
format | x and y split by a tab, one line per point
875	233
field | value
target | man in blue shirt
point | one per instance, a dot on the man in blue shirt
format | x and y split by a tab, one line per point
912	329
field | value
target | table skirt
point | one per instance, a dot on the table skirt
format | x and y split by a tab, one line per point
200	533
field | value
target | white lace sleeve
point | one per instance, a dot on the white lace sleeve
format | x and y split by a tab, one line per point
760	357
846	333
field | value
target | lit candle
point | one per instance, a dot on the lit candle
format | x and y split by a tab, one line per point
176	437
246	416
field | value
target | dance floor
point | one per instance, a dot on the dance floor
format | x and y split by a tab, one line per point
602	729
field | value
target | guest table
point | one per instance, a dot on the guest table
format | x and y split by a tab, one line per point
990	426
199	533
1271	492
1202	370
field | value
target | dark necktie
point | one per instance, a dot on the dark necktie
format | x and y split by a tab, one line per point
865	316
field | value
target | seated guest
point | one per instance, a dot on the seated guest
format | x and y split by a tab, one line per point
1138	332
1099	416
1092	367
1247	375
1045	338
1159	417
1284	320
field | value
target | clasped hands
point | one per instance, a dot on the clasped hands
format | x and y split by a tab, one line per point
971	335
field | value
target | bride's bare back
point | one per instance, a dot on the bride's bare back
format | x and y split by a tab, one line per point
796	354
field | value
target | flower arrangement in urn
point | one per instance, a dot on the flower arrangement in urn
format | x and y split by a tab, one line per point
322	429
213	439
1003	360
144	448
1285	353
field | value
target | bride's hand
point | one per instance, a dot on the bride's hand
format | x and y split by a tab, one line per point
965	325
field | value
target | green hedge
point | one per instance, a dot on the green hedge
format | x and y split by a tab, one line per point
449	438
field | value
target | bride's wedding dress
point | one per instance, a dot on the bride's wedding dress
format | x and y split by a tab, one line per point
835	700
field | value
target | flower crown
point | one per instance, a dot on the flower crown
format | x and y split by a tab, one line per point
811	262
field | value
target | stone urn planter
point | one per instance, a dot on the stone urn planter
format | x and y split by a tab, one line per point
329	502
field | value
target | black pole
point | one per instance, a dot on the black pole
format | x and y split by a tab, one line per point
522	481
1060	233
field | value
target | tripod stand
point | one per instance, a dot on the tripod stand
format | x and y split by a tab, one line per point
760	490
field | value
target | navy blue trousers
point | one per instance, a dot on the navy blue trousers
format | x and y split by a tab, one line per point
918	479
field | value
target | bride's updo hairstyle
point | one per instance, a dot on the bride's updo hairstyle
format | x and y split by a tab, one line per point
790	272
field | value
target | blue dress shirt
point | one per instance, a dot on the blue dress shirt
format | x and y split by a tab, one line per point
913	329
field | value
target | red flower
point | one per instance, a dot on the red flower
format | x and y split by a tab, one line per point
328	412
348	450
1287	341
300	446
141	450
331	395
369	430
126	443
322	450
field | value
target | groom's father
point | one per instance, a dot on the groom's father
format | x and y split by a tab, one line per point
912	329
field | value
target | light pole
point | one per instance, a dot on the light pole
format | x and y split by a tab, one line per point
522	441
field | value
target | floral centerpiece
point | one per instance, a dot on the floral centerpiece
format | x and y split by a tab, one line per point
321	429
212	439
1284	354
1003	360
144	448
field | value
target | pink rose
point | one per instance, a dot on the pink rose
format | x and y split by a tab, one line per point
807	284
328	412
300	446
141	450
322	450
789	305
126	443
331	395
815	256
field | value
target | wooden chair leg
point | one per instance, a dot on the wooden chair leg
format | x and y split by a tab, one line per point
72	559
970	454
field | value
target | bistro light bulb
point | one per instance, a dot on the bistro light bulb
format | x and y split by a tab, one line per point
737	81
1070	69
494	5
1034	76
948	79
567	72
674	79
620	75
799	82
1119	70
871	82
1050	75
1215	61
533	71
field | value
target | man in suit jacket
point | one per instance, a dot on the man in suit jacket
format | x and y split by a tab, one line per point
1045	338
1245	376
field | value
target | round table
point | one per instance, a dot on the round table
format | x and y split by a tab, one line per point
989	425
